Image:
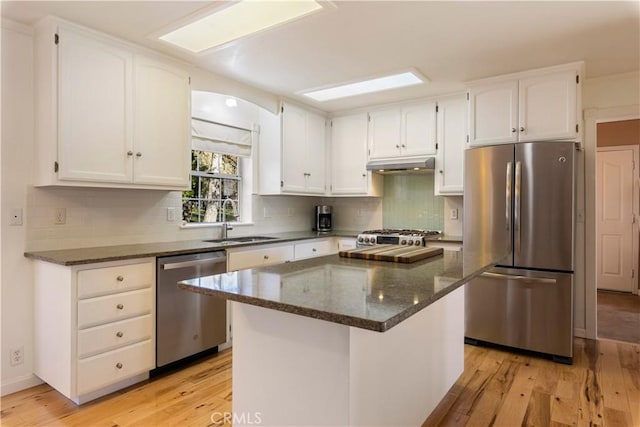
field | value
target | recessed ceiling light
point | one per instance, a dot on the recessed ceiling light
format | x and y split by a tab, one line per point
377	84
238	20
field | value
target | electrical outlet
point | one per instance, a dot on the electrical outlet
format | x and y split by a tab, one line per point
290	211
60	216
453	214
15	216
171	214
16	356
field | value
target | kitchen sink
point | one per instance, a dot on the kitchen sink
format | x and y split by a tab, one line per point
236	240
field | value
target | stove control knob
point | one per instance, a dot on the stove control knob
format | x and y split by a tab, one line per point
410	242
403	242
360	239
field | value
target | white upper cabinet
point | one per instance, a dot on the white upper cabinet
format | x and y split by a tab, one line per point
451	137
402	132
536	105
162	123
493	110
94	109
292	152
106	114
547	106
349	175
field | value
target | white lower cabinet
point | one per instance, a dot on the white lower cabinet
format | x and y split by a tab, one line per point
258	256
314	248
94	326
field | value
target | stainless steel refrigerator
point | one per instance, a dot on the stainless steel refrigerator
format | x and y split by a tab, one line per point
519	201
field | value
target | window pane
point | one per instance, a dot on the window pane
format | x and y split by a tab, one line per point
229	165
229	189
210	211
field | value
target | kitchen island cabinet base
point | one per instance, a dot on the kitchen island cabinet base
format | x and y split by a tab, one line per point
293	370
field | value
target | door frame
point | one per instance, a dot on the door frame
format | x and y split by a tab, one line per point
586	233
635	176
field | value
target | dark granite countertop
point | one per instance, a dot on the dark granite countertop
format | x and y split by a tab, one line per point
372	295
121	252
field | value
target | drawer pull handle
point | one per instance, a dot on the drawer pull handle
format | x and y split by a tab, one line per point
314	250
119	306
119	365
119	334
266	257
120	278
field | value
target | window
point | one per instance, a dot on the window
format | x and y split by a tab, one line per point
219	152
215	188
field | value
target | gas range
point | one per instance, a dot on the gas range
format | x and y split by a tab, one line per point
396	237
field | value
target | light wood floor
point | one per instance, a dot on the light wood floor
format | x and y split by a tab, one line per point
601	388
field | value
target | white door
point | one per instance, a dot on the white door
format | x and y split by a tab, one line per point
162	152
349	154
418	130
384	134
493	113
614	215
294	145
94	109
314	153
548	107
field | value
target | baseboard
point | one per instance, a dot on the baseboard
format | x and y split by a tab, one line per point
18	384
580	332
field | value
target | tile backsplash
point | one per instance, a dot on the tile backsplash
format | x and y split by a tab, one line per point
409	202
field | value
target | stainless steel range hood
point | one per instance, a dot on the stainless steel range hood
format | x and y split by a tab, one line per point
425	165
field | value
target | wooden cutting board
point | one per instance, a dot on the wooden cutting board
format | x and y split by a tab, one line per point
391	253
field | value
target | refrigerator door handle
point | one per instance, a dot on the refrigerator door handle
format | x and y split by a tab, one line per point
508	196
518	278
517	207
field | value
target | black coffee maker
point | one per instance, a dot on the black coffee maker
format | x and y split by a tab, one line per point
323	218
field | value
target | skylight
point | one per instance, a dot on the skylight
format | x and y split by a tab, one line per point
378	84
238	20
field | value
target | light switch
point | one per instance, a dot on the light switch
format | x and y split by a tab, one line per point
453	214
171	214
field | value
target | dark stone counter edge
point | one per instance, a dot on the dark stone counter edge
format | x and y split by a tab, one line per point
372	325
58	256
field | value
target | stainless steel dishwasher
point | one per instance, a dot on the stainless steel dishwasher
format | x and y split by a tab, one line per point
188	323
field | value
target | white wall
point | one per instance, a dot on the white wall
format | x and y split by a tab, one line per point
604	99
453	227
17	152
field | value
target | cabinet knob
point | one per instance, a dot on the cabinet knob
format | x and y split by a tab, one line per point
513	130
364	175
120	306
119	365
266	257
397	146
129	153
120	278
314	250
138	154
119	334
440	171
404	146
521	129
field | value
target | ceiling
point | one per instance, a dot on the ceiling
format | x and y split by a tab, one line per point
449	42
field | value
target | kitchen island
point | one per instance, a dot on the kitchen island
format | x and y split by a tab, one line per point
339	341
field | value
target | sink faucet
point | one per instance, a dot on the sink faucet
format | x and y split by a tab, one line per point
225	225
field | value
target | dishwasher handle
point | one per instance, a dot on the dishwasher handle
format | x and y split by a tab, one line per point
193	263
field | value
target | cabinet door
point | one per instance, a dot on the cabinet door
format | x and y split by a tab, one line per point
452	135
94	109
294	154
384	134
493	113
314	154
547	107
419	130
162	130
349	154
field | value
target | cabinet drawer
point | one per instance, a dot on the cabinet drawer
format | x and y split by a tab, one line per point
108	368
259	257
312	249
113	335
109	280
96	311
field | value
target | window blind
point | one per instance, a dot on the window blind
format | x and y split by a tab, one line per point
207	135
